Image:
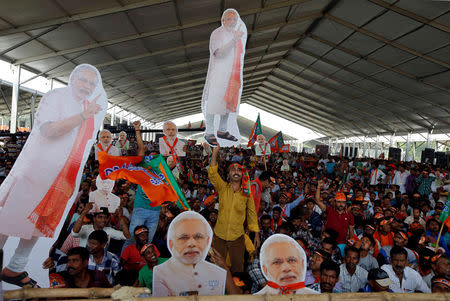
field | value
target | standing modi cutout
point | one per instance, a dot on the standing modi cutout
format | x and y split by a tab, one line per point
283	263
44	181
186	272
170	145
223	86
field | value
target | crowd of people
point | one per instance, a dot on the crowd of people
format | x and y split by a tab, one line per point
366	225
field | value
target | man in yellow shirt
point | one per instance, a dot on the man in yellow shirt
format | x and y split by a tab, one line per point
235	206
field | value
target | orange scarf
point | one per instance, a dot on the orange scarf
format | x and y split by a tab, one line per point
286	289
48	213
173	152
231	96
100	147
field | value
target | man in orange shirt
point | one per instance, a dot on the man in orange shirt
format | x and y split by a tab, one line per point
384	234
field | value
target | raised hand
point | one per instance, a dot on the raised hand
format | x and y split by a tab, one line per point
137	125
92	109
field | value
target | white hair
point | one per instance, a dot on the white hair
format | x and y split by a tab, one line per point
184	216
122	132
281	238
104	131
87	67
167	123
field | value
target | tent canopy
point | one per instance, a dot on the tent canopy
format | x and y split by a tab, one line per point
339	67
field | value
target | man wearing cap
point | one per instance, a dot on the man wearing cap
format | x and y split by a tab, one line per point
152	258
313	273
337	217
235	206
440	285
100	220
378	281
187	273
400	240
384	234
440	268
131	259
283	263
405	279
286	207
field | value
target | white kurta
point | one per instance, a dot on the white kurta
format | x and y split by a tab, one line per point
172	278
41	160
164	149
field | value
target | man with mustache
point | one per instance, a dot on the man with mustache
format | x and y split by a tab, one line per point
77	274
186	272
352	276
236	204
405	279
283	263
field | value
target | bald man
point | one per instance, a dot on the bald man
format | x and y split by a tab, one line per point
105	144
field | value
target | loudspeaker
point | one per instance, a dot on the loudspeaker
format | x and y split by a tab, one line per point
441	159
395	153
427	155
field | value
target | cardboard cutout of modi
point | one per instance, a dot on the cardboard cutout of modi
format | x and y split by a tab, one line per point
283	263
187	272
103	196
224	81
44	181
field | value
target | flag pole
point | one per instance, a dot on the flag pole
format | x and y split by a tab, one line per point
439	237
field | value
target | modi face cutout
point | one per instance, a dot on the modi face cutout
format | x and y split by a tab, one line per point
224	81
283	263
189	239
187	272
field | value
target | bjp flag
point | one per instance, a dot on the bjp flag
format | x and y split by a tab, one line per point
150	172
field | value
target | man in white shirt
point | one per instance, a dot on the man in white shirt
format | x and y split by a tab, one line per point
187	272
100	219
123	144
377	176
406	280
352	276
105	144
103	196
400	178
283	263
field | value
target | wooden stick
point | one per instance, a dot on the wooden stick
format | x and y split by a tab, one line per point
439	237
91	293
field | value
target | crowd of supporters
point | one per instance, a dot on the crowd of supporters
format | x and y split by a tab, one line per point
366	224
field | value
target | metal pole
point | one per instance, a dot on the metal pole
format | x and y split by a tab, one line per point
408	146
15	99
353	149
32	108
391	141
113	115
376	147
344	146
329	145
364	147
428	139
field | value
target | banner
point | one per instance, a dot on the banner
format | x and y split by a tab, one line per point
445	213
257	130
149	172
285	148
276	142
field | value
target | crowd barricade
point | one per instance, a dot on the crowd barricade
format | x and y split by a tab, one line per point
130	293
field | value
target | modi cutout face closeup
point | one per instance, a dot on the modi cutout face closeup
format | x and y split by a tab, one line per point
105	137
189	240
170	129
261	139
229	20
283	262
84	83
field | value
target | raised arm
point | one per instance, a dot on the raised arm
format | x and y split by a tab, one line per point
319	202
214	156
140	142
79	223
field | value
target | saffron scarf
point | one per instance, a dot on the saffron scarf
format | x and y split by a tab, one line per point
48	213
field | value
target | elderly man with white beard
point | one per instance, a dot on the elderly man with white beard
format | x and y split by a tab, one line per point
283	263
186	272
